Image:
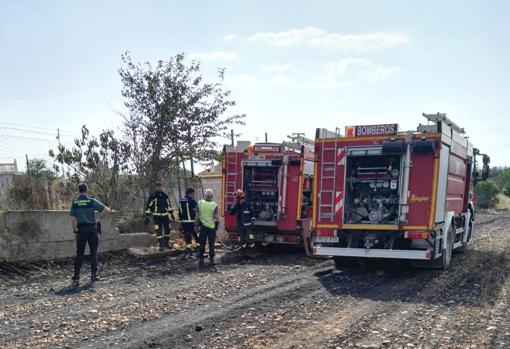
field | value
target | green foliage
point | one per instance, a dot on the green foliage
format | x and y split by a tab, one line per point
38	168
173	114
486	194
505	181
96	160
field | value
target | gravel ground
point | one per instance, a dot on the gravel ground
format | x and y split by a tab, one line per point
278	299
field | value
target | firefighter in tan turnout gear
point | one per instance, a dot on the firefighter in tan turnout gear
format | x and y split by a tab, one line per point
158	206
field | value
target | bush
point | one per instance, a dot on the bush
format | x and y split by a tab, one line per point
487	194
505	181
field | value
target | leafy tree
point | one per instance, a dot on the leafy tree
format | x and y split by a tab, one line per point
487	194
39	168
173	115
97	160
505	181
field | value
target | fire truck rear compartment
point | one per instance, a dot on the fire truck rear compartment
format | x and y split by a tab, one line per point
261	187
372	188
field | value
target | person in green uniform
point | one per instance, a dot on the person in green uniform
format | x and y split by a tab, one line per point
83	220
207	218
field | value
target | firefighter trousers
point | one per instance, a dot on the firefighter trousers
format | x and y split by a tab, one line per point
87	233
162	229
207	235
243	232
189	232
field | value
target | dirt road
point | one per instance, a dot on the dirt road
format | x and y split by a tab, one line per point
272	301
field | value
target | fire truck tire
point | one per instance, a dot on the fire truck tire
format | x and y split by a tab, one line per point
445	260
464	247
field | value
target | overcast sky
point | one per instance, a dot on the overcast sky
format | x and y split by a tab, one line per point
292	66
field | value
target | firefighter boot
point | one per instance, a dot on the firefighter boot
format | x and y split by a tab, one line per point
75	281
201	263
161	244
166	243
211	261
94	278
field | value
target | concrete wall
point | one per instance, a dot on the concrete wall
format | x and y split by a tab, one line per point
39	235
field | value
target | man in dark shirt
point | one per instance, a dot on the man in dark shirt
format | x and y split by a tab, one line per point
158	205
187	212
243	212
84	223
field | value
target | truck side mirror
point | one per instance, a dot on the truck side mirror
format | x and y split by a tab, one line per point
485	172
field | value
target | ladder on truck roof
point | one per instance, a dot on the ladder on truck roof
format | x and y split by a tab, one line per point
328	173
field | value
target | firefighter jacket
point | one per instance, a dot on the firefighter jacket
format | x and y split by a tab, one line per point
158	204
243	212
187	210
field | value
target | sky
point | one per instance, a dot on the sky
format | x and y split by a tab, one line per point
292	66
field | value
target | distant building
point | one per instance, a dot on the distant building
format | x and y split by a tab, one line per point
211	179
9	168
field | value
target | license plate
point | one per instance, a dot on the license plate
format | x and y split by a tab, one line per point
326	239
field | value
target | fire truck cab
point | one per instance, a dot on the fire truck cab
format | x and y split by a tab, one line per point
381	193
277	181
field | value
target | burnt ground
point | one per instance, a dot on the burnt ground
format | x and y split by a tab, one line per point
278	299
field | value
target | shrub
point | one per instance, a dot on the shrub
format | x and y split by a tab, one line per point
487	194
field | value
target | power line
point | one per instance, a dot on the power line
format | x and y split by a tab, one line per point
33	131
37	128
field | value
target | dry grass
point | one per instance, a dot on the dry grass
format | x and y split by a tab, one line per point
503	202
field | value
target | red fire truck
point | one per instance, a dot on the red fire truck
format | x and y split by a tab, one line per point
277	181
381	193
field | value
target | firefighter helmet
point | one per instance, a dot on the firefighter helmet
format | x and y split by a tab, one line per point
239	193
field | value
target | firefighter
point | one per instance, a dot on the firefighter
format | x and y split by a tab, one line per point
85	228
207	218
243	212
158	205
187	212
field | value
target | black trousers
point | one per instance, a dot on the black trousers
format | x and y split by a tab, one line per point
207	235
162	228
189	234
87	233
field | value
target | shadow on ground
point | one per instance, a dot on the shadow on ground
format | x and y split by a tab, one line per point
476	278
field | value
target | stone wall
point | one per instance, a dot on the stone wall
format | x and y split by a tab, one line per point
39	235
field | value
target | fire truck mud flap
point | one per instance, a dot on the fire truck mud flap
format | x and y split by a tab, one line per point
373	253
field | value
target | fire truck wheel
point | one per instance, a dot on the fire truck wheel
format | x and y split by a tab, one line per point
464	247
445	260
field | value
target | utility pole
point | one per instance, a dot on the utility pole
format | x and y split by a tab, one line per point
59	144
232	136
192	166
266	137
28	167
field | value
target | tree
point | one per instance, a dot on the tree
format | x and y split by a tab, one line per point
97	160
38	168
487	194
173	115
505	181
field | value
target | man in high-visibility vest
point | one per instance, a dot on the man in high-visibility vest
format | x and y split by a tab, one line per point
207	218
158	205
187	212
